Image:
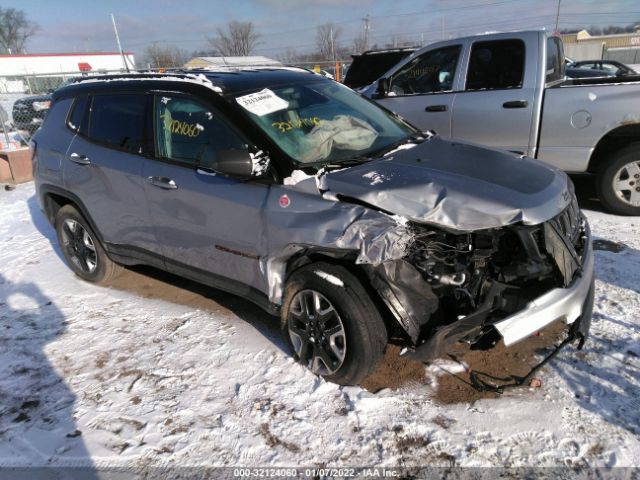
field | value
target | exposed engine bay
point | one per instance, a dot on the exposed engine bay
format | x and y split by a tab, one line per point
471	280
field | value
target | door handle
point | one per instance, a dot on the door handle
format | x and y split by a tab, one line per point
436	108
515	104
79	159
162	182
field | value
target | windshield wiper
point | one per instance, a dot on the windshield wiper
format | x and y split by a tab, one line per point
356	160
413	138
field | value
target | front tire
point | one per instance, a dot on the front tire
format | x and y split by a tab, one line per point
81	248
331	324
618	181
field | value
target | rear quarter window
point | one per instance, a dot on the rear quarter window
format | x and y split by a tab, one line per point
78	118
118	121
57	114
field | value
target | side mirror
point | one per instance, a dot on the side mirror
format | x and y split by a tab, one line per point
233	163
382	88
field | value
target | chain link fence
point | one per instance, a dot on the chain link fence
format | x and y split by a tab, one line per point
24	102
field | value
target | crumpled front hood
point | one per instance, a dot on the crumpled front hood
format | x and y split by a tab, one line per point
456	185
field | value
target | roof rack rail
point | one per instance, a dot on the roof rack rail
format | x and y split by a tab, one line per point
137	75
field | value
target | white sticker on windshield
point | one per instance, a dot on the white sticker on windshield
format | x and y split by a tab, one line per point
262	102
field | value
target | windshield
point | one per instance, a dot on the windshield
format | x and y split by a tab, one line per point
323	122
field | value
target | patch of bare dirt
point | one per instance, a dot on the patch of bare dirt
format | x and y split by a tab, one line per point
394	372
149	282
274	441
500	362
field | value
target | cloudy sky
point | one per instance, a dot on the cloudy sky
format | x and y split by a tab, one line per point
85	25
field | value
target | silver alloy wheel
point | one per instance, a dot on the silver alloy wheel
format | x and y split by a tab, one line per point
626	183
79	245
316	332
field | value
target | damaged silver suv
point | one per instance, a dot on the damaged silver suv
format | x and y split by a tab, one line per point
323	208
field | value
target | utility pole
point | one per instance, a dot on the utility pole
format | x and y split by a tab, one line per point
366	32
443	28
115	30
333	47
558	17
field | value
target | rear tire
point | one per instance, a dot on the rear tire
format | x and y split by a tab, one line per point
339	334
618	181
81	248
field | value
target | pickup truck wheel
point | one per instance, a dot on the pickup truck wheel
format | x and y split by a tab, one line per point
82	249
618	181
331	324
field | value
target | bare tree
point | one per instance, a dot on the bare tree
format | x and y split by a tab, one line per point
239	40
290	56
327	36
15	30
158	56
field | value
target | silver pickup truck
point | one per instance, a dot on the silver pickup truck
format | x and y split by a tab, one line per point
509	91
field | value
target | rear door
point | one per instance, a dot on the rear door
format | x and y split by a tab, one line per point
497	103
208	225
103	165
422	90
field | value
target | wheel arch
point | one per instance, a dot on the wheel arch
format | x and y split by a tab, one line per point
54	198
614	140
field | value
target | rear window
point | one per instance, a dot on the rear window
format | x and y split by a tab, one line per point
555	60
118	121
496	65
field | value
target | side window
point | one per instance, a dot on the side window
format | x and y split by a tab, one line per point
118	121
78	120
431	72
189	132
555	60
495	65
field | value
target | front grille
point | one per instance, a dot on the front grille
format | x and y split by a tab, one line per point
569	222
563	240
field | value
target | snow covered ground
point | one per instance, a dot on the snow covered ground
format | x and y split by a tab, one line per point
115	376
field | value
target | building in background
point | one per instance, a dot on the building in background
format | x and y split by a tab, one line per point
34	73
217	62
623	47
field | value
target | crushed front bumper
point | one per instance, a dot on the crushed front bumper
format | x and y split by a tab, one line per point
573	305
566	304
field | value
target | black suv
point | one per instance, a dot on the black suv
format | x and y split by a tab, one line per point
318	205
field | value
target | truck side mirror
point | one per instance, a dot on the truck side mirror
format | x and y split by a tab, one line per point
382	88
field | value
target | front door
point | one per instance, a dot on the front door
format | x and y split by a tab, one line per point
421	91
206	223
